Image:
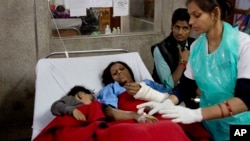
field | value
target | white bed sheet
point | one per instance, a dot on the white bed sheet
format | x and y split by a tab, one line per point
55	77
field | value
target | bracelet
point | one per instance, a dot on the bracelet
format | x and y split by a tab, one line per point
230	111
222	114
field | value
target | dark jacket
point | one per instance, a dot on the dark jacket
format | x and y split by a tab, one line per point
170	53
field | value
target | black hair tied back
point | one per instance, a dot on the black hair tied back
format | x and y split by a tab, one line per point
226	8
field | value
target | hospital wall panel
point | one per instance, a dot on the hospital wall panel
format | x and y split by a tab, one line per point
25	38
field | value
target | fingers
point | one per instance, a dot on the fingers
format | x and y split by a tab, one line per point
151	118
171	115
132	92
141	111
153	111
132	86
146	118
177	120
143	105
78	115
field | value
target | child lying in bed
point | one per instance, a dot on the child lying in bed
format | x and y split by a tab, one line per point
79	95
91	123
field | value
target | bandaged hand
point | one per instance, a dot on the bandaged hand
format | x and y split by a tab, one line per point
154	107
149	94
180	114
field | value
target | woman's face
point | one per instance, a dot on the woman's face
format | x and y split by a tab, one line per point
201	21
120	74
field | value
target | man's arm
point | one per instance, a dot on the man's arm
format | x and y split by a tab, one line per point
163	69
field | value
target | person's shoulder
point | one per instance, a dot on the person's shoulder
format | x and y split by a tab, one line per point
107	86
147	81
191	39
110	86
193	43
150	82
162	41
244	37
157	44
199	38
67	97
244	42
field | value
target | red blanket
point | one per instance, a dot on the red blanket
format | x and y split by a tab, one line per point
66	128
195	131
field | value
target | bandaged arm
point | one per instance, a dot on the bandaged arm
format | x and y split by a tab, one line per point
149	94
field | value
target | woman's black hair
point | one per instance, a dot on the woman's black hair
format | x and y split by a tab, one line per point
77	89
226	6
107	77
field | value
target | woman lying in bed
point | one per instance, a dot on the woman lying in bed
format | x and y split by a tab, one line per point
124	93
118	77
80	117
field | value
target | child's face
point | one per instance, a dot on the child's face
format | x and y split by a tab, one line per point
84	97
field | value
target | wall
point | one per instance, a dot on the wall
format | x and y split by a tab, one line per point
25	38
18	57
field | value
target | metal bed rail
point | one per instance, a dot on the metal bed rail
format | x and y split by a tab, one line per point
66	53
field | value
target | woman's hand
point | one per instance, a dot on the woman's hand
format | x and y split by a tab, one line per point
78	115
153	107
132	88
146	118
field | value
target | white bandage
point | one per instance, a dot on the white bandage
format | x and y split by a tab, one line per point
149	94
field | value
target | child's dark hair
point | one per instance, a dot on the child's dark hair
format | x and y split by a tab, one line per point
77	89
180	14
106	76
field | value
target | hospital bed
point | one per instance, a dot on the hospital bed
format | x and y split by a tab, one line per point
56	76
